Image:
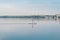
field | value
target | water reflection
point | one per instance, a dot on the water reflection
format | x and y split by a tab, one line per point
29	29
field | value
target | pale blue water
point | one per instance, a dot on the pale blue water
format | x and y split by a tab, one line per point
20	29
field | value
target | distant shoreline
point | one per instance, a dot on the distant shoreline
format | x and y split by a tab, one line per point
32	16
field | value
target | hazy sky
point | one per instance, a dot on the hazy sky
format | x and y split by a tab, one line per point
29	7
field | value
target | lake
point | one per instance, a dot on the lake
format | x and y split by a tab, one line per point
29	29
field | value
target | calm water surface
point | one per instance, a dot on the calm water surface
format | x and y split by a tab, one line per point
21	29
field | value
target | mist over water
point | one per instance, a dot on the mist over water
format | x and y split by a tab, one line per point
29	29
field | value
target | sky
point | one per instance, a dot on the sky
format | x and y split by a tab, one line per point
29	7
